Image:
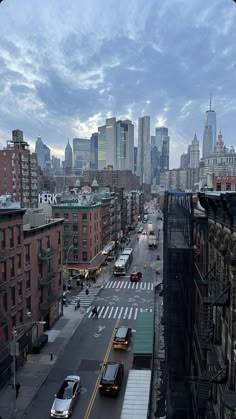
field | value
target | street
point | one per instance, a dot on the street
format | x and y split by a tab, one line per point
118	303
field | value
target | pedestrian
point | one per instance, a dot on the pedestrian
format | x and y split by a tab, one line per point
17	389
87	291
95	311
51	356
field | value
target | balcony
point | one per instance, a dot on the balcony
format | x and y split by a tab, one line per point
3	255
46	279
46	254
3	318
45	306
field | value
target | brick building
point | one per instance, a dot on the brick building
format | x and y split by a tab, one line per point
29	276
18	171
224	183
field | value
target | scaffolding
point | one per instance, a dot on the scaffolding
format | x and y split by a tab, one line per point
177	286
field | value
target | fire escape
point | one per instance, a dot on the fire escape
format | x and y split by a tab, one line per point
212	292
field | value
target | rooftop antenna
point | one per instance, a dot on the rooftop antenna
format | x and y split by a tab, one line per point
210	100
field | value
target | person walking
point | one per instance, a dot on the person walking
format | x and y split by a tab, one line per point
17	389
95	311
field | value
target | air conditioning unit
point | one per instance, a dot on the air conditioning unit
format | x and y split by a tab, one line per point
28	313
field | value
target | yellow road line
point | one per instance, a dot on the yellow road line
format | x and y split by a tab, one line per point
91	402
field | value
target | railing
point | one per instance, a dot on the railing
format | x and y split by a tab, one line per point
46	254
46	279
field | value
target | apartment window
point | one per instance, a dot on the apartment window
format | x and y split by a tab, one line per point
84	229
3	239
76	257
28	304
6	333
57	215
84	256
84	244
75	217
75	241
11	237
218	186
21	316
4	301
13	296
84	217
49	265
228	186
12	267
58	237
19	262
18	229
66	216
40	247
59	258
27	253
40	270
66	230
27	279
13	321
59	279
20	289
4	270
48	242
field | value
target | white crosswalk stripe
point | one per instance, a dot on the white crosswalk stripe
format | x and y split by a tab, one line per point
148	286
107	312
86	300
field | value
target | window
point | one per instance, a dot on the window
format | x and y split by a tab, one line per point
59	258
58	237
21	316
49	265
20	289
75	217
66	216
84	256
13	321
18	228
13	296
228	186
57	215
40	270
84	217
4	270
48	242
27	279
84	229
5	332
4	301
3	239
84	244
28	304
40	247
12	267
76	257
59	279
19	262
27	253
218	186
11	237
75	241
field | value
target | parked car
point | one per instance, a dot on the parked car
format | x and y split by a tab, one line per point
122	338
111	379
40	343
144	232
135	276
66	397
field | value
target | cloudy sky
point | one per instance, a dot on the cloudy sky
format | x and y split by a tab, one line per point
67	65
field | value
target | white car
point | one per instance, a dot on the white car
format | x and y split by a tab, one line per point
66	397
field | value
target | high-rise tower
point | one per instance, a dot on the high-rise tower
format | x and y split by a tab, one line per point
194	153
144	150
209	136
68	158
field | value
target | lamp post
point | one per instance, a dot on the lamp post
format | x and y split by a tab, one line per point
15	353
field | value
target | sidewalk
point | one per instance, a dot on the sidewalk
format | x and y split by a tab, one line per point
38	366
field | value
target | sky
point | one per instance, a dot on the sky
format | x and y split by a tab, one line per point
67	66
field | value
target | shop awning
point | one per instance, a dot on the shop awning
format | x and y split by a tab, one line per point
92	266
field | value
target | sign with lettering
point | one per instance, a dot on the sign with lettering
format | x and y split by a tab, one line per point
47	198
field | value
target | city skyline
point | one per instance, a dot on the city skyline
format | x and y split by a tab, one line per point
64	81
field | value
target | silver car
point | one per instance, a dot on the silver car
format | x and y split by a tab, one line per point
66	397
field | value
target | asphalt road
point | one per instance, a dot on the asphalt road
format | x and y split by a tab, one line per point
119	303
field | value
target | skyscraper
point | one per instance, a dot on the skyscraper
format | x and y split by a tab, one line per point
94	151
194	153
102	147
144	151
39	150
209	136
68	158
81	153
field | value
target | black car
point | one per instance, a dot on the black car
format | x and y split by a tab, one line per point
111	379
122	338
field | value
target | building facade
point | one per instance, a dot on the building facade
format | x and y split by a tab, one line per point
144	150
194	154
18	171
94	151
68	162
81	154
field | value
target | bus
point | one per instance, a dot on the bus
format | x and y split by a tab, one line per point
128	251
122	264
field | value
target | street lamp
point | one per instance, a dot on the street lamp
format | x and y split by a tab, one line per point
14	353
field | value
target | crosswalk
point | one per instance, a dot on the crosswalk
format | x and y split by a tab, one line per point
86	300
130	285
108	312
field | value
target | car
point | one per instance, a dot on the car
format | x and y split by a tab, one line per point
111	379
135	276
140	230
150	222
66	397
144	232
122	337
